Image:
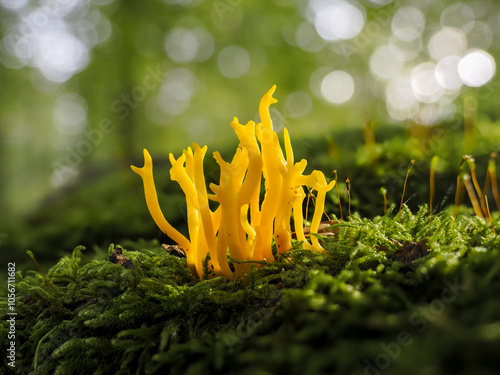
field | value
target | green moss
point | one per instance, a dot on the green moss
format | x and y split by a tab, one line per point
354	309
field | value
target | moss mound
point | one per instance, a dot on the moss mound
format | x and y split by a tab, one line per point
369	305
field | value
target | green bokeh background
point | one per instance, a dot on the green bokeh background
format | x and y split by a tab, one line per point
193	95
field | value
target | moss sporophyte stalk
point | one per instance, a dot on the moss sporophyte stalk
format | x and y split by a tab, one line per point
241	225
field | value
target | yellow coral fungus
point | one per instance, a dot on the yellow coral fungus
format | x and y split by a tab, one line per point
241	225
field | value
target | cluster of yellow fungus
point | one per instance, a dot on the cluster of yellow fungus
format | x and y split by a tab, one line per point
241	224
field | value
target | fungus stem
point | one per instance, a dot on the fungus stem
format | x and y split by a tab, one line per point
472	166
313	198
146	173
404	187
348	187
489	215
383	190
338	195
434	162
472	196
487	182
32	256
493	179
459	184
309	194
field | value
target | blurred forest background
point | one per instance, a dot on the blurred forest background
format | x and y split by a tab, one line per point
363	87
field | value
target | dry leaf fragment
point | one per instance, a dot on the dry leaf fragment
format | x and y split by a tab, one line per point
117	257
411	251
174	250
325	229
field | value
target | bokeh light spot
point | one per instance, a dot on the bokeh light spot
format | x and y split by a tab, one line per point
54	37
298	104
60	55
431	113
337	87
479	35
457	15
13	4
448	41
408	23
380	2
476	68
177	91
307	38
424	83
337	21
70	113
234	62
184	45
399	95
405	50
384	64
447	73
